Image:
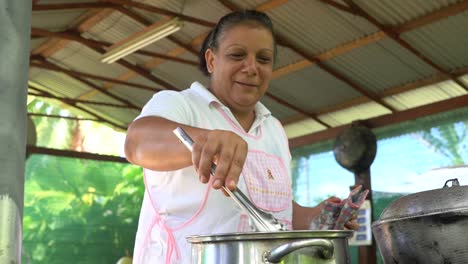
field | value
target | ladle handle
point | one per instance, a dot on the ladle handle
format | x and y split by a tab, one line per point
262	221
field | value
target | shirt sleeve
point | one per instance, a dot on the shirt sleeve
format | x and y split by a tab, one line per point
167	104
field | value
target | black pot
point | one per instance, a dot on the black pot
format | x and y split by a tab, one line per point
425	227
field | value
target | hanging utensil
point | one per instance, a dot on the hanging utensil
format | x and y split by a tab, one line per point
262	221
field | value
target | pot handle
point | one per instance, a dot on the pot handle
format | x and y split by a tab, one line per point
276	254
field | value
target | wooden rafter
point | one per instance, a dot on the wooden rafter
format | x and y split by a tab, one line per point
329	54
96	46
140	19
339	6
297	109
93	76
62	117
69	35
78	101
395	35
80	79
81	24
437	78
385	120
161	11
347	47
65	6
73	154
268	5
97	116
52	46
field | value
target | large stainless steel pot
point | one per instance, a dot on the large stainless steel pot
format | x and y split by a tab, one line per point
328	246
425	227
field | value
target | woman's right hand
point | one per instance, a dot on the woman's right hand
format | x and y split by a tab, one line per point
227	150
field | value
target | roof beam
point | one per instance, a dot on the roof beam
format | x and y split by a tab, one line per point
385	120
97	116
196	41
395	35
89	22
73	154
65	6
78	101
437	78
339	6
347	47
61	117
148	23
78	78
268	5
82	23
92	76
100	44
161	11
329	54
289	105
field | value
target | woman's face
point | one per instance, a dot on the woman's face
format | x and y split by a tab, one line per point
241	67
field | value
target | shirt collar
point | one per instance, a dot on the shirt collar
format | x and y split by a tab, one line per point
260	109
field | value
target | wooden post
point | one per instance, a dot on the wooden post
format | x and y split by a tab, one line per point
367	254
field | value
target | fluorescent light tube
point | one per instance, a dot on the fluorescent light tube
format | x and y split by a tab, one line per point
140	40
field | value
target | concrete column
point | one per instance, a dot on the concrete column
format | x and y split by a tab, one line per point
15	27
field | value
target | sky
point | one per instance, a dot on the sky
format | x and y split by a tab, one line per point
402	165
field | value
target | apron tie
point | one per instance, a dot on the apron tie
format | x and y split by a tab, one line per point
171	243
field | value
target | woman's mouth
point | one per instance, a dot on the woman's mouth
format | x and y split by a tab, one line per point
247	84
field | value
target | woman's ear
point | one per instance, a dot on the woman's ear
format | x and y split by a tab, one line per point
210	60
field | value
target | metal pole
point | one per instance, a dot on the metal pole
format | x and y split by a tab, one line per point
15	24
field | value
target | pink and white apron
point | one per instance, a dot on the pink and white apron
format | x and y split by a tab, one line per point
264	179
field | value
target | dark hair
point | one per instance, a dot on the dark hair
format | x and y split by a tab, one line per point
248	17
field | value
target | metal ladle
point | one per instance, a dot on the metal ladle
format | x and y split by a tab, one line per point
262	221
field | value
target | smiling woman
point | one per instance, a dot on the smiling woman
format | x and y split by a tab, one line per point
229	126
241	69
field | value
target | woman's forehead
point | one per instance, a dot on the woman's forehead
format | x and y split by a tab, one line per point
235	34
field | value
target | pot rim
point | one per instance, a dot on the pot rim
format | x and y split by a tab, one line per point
296	234
448	212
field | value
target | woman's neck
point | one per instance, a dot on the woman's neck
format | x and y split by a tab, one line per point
246	120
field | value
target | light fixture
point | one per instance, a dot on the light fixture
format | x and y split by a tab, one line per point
141	39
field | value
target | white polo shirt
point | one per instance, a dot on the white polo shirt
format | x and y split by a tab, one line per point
177	202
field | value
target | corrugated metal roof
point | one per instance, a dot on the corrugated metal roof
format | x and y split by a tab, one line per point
397	12
312	89
303	127
55	20
315	27
354	48
444	41
381	65
426	95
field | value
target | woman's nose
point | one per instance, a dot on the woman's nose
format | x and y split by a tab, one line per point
250	65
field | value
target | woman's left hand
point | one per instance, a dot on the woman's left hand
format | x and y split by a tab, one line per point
352	224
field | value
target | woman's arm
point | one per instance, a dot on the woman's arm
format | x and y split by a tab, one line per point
150	143
302	216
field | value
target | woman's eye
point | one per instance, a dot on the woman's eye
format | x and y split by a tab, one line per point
236	56
264	60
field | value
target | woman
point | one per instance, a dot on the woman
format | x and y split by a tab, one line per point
230	127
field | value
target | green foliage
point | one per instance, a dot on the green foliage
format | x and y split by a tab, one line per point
448	140
51	132
76	211
79	209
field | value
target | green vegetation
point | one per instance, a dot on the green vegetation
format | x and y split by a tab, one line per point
77	211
